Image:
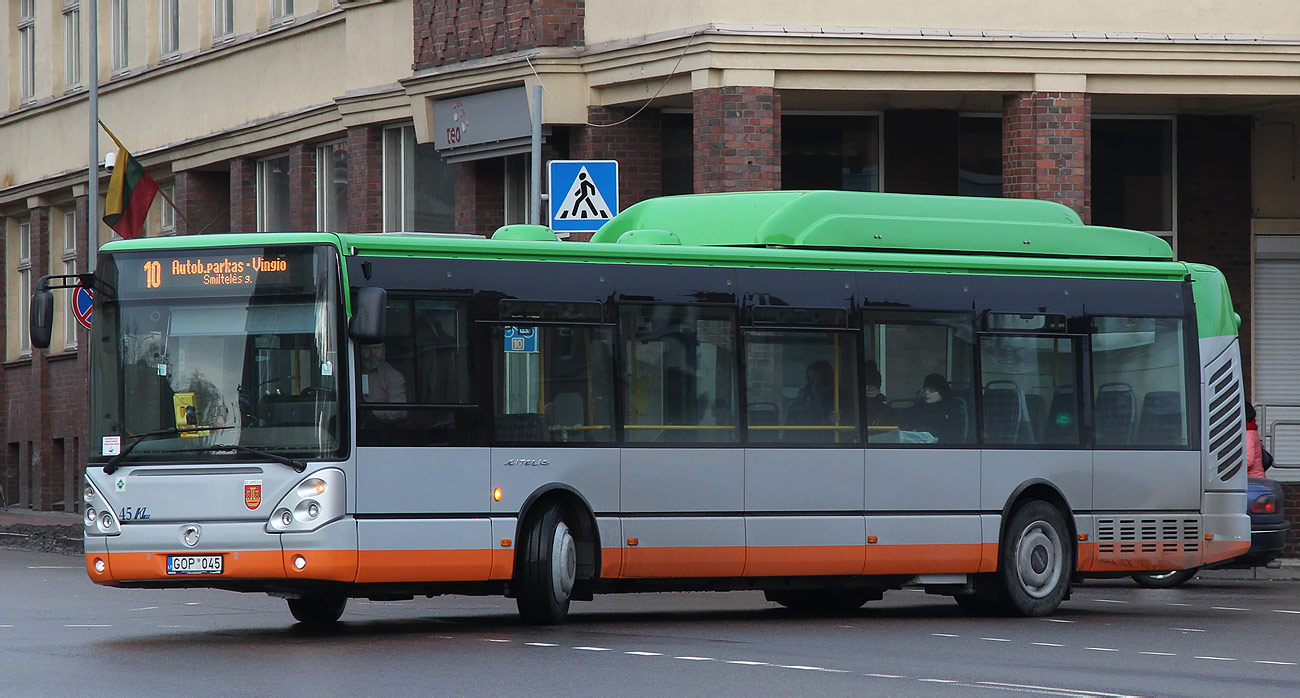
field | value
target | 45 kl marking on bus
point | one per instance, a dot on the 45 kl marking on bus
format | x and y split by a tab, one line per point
136	514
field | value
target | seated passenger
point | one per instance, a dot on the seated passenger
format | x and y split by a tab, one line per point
380	382
815	403
879	413
937	412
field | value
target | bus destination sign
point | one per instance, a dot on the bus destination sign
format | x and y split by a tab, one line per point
225	270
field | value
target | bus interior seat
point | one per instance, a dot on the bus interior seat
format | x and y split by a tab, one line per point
763	414
522	427
1061	423
966	396
964	418
1114	408
1161	423
1005	415
1034	406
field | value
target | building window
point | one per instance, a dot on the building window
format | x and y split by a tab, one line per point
1133	175
518	179
69	268
281	10
979	155
71	46
273	194
27	48
169	28
679	153
830	151
120	56
419	185
223	20
167	214
24	285
332	187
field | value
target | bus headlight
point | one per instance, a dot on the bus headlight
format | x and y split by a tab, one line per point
100	520
315	501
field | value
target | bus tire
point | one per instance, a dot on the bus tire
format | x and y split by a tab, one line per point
1165	580
317	610
549	570
1036	559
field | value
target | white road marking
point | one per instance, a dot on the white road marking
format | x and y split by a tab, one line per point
745	662
645	654
54	567
1047	644
944	635
697	659
1178	604
1219	659
1188	630
1283	610
1228	608
541	644
885	676
1101	649
87	625
489	639
593	649
996	639
1265	661
146	608
191	603
1057	620
938	680
6	625
1109	601
171	626
1159	654
801	667
1050	689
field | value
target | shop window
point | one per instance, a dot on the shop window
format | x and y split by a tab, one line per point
332	187
419	185
273	194
979	155
1133	174
678	153
823	151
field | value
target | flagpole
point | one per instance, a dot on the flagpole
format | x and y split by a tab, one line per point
92	188
161	191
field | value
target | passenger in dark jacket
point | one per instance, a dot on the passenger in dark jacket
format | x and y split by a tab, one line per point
938	412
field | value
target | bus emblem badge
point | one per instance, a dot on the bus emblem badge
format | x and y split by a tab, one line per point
253	494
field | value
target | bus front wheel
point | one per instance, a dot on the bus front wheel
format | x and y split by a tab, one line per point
1036	559
317	610
549	569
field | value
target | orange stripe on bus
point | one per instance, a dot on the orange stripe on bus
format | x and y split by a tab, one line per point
933	558
611	562
332	565
243	564
503	563
683	562
777	561
424	565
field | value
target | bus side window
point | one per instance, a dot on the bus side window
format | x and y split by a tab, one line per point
553	383
925	362
1139	376
801	386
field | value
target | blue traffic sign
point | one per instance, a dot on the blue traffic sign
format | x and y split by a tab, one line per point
583	194
83	305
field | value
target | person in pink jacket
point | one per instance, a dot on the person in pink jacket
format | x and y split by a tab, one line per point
1254	450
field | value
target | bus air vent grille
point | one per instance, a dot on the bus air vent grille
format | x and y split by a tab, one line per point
1226	430
1148	535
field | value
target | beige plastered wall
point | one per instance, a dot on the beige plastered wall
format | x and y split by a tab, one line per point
612	20
261	82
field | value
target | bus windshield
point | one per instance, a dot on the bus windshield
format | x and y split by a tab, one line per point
233	346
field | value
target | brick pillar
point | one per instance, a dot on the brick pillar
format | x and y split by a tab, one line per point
480	196
302	187
637	144
737	139
204	198
1047	148
243	195
365	179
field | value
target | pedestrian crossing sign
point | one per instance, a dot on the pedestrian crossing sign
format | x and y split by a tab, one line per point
583	194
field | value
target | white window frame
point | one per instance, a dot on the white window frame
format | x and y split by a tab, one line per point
71	45
120	55
169	29
281	11
1170	236
27	50
263	189
70	323
398	189
223	20
24	285
517	173
167	214
325	189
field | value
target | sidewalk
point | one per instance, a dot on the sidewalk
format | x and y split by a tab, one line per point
47	531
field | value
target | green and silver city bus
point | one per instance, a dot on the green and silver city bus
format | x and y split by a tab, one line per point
820	395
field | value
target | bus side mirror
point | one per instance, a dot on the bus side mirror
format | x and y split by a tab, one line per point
369	315
42	315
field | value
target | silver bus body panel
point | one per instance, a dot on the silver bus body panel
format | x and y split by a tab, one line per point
1004	471
1146	480
422	480
425	534
216	537
521	471
188	493
923	479
782	479
683	480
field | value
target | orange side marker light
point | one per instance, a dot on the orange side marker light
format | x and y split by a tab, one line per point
1083	537
505	542
633	541
872	539
1209	536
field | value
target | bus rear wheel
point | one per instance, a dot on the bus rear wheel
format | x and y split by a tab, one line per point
1164	580
317	610
1036	560
549	569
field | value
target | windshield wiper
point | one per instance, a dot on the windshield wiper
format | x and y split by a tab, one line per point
141	438
113	464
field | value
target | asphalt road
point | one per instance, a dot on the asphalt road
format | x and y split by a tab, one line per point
59	634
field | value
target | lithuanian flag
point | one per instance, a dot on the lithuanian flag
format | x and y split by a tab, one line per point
130	193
